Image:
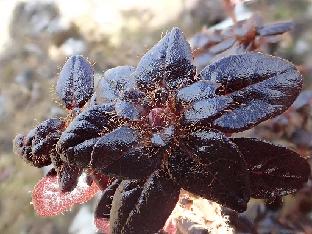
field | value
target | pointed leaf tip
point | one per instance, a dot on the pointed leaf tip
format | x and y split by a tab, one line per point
75	84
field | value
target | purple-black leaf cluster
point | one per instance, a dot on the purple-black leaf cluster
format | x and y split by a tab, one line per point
163	126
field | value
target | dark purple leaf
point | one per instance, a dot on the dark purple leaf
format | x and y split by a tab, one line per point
200	90
133	95
163	138
38	145
114	83
104	206
139	163
205	111
275	28
100	179
80	154
68	176
102	211
259	86
75	83
209	164
45	137
128	110
170	60
125	199
113	146
77	141
152	207
274	170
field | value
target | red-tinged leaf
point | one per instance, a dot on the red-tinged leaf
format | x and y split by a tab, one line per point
48	200
259	86
170	226
75	83
274	170
102	224
100	179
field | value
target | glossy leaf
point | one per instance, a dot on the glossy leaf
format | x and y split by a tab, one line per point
208	164
75	83
158	125
205	111
274	170
195	92
48	200
259	85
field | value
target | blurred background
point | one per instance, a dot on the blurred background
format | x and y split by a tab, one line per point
36	37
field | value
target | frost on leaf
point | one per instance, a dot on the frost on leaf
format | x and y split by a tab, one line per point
274	170
48	200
